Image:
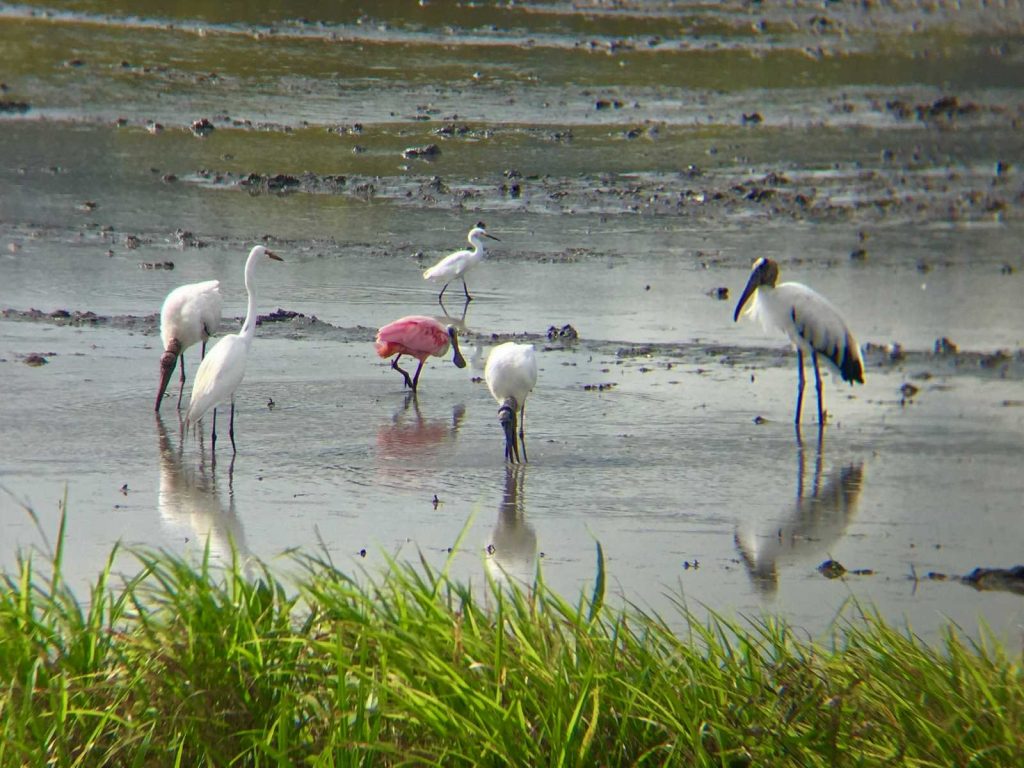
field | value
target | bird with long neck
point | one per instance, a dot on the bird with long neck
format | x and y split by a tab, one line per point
223	368
456	265
813	325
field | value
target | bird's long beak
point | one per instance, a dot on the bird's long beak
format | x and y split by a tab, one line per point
507	418
457	358
752	285
274	256
492	237
167	362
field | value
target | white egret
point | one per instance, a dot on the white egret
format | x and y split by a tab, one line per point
511	374
456	265
190	314
223	369
810	321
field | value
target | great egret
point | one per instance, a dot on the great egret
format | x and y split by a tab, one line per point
511	374
810	321
222	370
456	265
190	314
420	337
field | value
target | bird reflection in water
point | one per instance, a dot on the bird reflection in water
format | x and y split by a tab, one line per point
818	520
410	435
512	551
189	499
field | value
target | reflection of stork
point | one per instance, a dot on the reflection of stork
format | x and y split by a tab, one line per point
816	521
512	552
189	499
409	434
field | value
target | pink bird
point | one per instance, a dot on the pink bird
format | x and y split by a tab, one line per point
420	337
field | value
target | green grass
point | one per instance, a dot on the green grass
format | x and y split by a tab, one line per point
191	665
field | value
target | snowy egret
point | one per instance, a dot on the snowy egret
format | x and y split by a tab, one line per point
456	265
420	337
511	374
190	314
810	321
222	370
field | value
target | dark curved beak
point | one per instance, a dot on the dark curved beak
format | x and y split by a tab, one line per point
492	237
274	256
507	419
167	362
752	285
457	358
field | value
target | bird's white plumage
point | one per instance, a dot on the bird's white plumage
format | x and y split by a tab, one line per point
456	265
191	313
511	371
808	319
223	368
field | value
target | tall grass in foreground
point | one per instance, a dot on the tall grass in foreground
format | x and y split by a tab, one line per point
188	665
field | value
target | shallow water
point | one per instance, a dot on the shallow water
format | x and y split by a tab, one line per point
626	221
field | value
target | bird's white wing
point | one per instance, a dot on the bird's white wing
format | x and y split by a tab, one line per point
511	370
450	266
189	312
218	376
813	323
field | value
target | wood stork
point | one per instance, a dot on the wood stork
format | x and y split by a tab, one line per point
511	374
418	336
222	370
456	265
810	321
190	314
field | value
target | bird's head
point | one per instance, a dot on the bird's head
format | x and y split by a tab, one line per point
480	230
765	272
167	362
507	419
457	358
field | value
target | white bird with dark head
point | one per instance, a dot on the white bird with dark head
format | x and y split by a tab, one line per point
456	265
190	314
223	369
810	321
511	374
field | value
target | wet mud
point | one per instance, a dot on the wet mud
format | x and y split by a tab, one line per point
634	161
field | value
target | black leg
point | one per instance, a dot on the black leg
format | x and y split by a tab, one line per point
441	294
213	446
466	289
817	385
181	388
231	429
416	378
522	431
800	384
397	367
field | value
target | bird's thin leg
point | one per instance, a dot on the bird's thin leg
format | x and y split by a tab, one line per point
522	432
466	289
416	378
817	385
181	388
213	436
231	429
401	370
515	445
441	294
800	384
204	347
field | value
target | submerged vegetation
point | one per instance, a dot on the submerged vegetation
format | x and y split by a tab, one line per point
191	664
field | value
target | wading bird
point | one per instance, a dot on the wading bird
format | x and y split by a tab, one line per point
511	374
456	265
420	337
190	314
810	321
222	370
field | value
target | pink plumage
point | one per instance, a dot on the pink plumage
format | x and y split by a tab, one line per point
418	336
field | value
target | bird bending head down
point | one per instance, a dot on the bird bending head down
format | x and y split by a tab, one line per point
507	419
765	272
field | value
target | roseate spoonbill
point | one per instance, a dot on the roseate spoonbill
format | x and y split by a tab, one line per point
810	321
190	314
456	265
511	374
222	370
420	337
